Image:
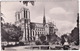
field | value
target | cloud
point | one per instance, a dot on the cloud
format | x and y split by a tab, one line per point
39	19
64	26
9	9
58	10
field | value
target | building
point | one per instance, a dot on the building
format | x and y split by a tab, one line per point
23	20
33	30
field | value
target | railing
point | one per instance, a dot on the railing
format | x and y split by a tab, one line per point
45	46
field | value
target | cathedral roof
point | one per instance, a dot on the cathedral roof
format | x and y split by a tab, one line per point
39	25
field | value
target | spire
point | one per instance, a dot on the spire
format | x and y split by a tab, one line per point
44	11
44	19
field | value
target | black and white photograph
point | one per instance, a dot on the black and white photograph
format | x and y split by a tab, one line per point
39	25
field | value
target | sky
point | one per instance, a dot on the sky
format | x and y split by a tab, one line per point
62	12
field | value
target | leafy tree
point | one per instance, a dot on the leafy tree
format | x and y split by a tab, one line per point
42	38
2	19
68	37
62	38
75	35
4	35
16	34
37	42
3	32
12	32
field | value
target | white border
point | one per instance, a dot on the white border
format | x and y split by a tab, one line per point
31	50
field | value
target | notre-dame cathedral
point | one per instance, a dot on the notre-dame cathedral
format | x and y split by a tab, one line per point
32	30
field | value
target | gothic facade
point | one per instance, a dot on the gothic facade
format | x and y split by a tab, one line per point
32	31
23	20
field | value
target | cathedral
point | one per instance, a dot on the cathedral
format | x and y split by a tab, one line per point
32	30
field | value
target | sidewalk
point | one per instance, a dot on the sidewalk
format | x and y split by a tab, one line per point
18	47
24	48
77	47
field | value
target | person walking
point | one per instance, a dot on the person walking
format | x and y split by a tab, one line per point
66	45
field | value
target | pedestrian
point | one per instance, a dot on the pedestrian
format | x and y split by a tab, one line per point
66	46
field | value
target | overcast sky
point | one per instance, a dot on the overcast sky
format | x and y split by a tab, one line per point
62	12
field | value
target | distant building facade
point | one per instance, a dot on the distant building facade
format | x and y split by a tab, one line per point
33	30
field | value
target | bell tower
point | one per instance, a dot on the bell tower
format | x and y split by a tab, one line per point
23	20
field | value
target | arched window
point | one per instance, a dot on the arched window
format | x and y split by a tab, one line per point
33	33
18	16
26	14
38	32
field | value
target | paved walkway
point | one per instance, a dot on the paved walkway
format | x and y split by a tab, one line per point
18	48
24	48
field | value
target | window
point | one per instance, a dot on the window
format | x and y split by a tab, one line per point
26	14
38	35
33	33
46	25
38	32
38	29
19	16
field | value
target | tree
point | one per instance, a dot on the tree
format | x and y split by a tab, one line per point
16	33
62	38
68	37
2	19
3	32
42	38
4	35
37	42
12	32
75	35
